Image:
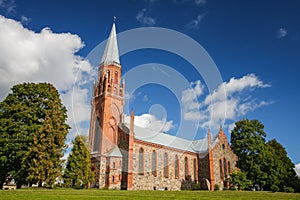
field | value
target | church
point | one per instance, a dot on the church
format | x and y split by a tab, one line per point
129	157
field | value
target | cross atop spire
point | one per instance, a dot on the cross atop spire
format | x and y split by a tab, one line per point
111	52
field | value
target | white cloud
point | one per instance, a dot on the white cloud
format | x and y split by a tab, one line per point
200	2
297	169
195	23
196	2
151	1
28	56
281	33
225	103
25	19
8	5
145	98
247	81
190	102
151	122
144	19
231	127
78	108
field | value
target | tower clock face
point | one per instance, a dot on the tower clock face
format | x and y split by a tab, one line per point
112	122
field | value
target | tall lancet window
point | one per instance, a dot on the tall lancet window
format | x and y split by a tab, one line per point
221	169
154	171
141	161
225	168
166	165
176	167
186	168
96	135
195	170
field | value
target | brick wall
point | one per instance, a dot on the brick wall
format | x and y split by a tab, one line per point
148	181
220	152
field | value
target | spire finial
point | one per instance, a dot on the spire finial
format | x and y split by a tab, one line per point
115	19
221	121
111	52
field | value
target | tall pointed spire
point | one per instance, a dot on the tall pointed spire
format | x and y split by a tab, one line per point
111	52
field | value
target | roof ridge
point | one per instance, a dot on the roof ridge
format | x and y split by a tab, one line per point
169	140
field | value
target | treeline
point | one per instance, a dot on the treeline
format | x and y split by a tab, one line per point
263	165
33	131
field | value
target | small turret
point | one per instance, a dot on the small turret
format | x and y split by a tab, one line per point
209	139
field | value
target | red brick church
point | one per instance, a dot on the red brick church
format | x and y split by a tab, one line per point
125	156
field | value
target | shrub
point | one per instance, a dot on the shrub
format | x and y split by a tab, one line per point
188	184
274	188
197	186
105	188
225	188
239	179
217	187
288	189
232	188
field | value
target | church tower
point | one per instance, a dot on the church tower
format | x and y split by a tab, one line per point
106	114
107	99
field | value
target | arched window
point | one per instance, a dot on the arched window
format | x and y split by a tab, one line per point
96	135
141	161
225	168
113	179
176	167
116	77
228	166
195	170
166	165
108	75
221	169
114	165
186	168
154	172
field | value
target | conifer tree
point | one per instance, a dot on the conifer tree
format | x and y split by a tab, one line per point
78	172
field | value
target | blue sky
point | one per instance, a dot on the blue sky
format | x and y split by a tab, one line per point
254	44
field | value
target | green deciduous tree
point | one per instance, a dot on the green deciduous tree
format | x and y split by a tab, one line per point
280	168
265	163
33	127
78	169
248	143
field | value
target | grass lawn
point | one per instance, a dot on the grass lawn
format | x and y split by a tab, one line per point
72	194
